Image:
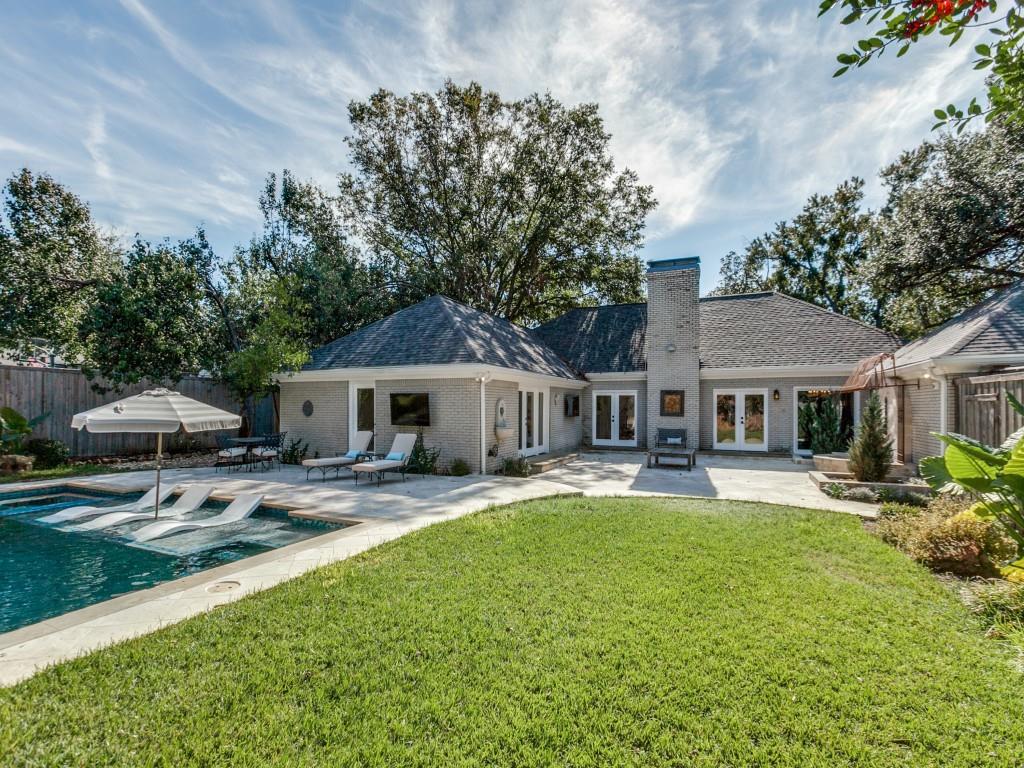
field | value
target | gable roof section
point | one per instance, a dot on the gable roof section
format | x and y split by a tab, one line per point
608	339
741	331
772	329
993	327
440	331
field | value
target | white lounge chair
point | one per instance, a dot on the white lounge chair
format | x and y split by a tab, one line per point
237	510
395	460
357	451
148	501
189	501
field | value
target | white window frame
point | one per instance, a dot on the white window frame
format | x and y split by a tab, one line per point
353	424
796	413
542	447
615	394
740	394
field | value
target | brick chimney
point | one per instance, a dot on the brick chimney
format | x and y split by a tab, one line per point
673	344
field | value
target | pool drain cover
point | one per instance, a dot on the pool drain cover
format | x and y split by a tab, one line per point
223	586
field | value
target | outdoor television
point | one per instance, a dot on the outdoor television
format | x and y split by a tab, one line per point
410	410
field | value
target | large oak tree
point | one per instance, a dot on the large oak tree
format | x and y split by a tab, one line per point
513	207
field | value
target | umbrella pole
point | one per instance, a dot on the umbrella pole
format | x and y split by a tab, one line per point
159	454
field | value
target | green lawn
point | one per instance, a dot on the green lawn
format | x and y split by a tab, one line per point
560	632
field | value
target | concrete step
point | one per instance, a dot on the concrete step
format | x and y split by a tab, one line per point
543	463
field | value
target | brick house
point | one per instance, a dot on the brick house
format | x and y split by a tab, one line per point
732	370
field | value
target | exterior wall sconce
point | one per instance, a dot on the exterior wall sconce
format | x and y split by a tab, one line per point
775	395
670	348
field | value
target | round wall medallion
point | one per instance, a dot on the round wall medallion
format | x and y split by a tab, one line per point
307	408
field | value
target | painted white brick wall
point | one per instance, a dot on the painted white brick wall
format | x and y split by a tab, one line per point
779	412
326	430
673	317
566	433
587	407
922	408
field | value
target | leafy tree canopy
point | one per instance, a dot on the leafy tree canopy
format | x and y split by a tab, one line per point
900	24
513	207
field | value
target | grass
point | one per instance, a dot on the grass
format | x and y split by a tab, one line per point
65	470
577	632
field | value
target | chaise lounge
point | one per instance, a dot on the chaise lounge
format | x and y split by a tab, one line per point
396	460
148	501
189	501
237	510
357	452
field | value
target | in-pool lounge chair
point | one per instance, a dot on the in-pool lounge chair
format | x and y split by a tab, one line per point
396	460
189	501
357	452
237	510
148	501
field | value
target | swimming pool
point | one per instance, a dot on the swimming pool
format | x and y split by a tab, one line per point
46	571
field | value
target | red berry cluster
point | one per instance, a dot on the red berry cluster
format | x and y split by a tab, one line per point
940	9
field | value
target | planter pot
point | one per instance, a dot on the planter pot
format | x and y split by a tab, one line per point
503	433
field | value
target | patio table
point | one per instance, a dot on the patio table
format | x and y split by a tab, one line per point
249	443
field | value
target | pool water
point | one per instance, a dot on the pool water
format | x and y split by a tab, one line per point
48	570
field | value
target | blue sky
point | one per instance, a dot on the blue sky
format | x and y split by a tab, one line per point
167	114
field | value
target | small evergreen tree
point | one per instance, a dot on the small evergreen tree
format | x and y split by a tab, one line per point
871	449
821	421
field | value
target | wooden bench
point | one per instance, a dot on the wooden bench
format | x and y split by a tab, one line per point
672	444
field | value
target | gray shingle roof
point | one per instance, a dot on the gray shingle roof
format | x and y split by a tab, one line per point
440	331
607	339
756	329
993	327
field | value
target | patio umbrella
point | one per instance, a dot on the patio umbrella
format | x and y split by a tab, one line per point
156	410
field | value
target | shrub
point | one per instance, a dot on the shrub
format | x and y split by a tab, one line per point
49	453
896	509
423	460
517	467
861	494
1000	606
948	538
835	490
871	449
294	452
459	468
821	420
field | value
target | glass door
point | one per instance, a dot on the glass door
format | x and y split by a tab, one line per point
615	418
362	397
741	421
532	435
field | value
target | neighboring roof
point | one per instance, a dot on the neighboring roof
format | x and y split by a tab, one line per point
746	330
993	327
608	339
440	331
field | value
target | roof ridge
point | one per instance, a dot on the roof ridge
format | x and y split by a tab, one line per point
736	295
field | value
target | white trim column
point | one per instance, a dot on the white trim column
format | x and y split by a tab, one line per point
483	378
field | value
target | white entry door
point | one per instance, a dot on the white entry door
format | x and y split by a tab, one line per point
614	417
533	437
741	421
361	407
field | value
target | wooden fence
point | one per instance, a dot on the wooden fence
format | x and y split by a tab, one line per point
63	392
983	411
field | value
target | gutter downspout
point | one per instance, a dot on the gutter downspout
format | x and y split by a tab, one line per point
943	407
483	378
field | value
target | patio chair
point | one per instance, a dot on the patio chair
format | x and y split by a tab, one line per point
228	454
189	501
672	444
356	453
396	460
237	510
270	450
147	502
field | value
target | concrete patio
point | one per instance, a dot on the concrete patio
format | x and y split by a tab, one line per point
380	514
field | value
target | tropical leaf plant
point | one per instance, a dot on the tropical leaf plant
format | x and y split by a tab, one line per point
14	428
995	476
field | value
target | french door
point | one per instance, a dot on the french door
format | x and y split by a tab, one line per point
361	407
533	437
741	421
614	417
